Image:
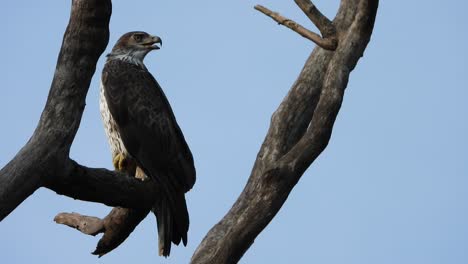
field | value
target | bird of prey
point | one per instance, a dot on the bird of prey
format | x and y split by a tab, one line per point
143	134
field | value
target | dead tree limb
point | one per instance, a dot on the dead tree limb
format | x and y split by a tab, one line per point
44	161
326	43
326	27
120	222
299	131
116	226
89	225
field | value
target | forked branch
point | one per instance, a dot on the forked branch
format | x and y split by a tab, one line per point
326	27
116	226
299	131
328	42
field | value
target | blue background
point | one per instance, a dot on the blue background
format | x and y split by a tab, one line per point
390	188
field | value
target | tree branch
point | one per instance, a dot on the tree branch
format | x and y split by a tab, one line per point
299	131
328	44
44	162
116	226
326	27
119	224
104	186
89	225
319	131
46	153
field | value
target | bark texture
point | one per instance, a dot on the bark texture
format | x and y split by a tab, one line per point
44	161
300	130
116	226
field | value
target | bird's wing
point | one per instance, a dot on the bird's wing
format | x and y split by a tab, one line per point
147	124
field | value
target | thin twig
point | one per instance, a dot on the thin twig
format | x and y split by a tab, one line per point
325	43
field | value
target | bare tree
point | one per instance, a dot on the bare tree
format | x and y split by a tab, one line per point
299	131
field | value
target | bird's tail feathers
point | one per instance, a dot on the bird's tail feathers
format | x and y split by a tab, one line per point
173	222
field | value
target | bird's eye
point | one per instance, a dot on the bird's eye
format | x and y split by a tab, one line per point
137	37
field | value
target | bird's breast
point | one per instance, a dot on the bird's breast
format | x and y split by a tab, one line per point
110	126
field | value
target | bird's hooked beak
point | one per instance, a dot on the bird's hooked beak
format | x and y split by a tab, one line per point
152	41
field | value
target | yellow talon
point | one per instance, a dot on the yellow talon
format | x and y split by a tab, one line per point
125	164
120	162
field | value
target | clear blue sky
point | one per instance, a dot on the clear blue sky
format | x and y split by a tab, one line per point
392	186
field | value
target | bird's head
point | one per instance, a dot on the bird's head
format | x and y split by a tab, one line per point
135	45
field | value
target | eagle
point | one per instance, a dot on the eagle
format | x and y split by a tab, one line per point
144	137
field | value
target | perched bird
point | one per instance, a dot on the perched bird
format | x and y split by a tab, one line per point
143	134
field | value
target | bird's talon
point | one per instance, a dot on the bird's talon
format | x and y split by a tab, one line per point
120	162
